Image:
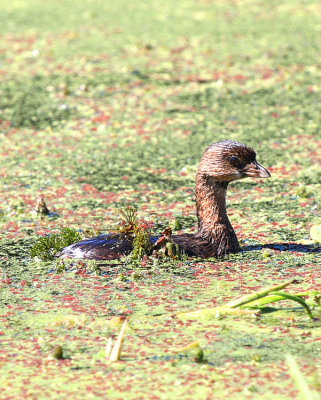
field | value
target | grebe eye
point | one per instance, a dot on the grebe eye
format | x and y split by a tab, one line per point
235	161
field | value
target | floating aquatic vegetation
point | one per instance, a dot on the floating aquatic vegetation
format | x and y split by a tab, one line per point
140	234
41	207
47	246
100	108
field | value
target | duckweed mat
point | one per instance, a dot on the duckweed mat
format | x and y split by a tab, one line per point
109	104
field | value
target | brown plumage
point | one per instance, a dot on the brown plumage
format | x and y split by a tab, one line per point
222	162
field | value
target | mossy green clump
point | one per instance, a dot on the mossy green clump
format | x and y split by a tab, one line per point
58	353
47	246
141	244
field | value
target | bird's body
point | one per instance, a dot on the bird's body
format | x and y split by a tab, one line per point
222	162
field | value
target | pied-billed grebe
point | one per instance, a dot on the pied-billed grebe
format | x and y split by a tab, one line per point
222	162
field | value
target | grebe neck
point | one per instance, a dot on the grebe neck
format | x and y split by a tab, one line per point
210	205
213	224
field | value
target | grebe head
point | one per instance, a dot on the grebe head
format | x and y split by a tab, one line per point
228	161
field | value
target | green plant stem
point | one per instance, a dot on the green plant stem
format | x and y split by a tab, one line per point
287	296
258	295
278	296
